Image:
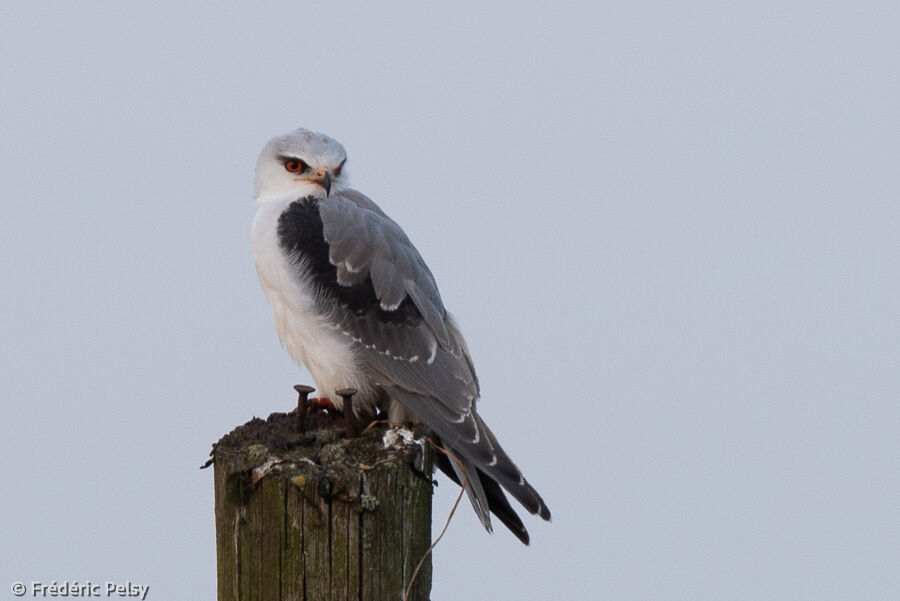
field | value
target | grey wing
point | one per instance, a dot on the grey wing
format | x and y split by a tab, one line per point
364	242
409	335
409	343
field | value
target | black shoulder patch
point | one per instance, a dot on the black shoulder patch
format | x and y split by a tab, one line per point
300	234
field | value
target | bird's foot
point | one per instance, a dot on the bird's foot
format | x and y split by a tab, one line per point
320	403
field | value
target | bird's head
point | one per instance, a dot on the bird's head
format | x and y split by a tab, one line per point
301	163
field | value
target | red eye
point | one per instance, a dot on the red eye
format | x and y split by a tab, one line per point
294	165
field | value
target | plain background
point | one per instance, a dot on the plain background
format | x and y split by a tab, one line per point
669	231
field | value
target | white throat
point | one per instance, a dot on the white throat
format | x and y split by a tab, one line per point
293	191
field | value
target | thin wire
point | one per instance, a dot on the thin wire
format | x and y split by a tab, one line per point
449	517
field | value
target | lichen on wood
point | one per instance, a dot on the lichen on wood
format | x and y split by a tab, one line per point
313	516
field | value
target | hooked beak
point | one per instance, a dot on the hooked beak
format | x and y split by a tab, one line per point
324	180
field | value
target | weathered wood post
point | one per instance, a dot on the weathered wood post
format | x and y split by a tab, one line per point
313	516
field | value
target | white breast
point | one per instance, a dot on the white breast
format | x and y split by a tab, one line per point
309	337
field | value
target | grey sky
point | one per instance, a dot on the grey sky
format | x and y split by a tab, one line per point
669	233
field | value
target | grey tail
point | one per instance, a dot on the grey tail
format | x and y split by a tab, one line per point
483	462
497	503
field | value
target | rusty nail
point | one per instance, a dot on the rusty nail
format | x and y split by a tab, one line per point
302	401
351	427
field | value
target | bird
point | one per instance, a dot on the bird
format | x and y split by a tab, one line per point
354	302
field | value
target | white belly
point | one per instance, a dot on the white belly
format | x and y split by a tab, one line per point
309	337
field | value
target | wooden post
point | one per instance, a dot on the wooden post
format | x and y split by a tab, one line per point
313	516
